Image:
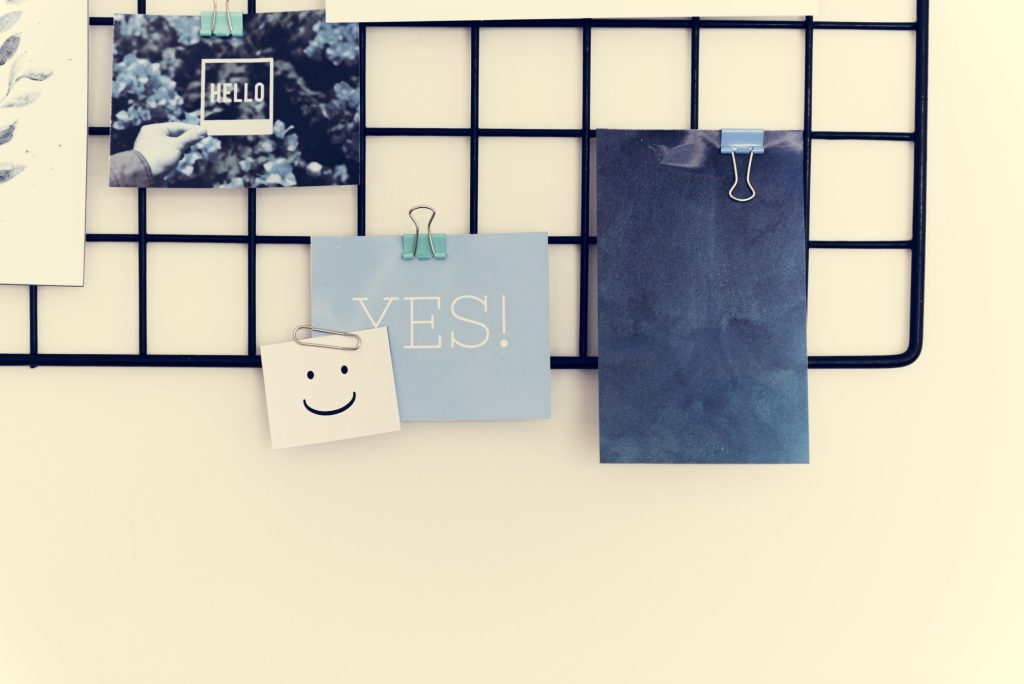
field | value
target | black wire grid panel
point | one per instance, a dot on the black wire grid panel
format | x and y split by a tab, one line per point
915	245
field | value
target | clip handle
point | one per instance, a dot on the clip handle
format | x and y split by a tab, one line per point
226	24
411	243
736	179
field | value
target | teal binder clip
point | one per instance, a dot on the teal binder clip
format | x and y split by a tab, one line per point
226	24
749	141
434	247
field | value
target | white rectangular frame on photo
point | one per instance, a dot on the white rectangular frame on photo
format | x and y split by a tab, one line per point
237	126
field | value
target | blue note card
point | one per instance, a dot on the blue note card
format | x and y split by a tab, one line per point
702	300
469	334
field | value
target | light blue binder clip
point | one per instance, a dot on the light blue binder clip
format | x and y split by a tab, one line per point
749	141
226	24
434	247
742	140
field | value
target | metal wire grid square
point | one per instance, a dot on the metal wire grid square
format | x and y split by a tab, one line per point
915	245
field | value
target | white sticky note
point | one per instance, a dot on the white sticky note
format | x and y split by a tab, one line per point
317	395
447	10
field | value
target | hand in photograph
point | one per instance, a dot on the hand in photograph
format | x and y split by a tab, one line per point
164	144
158	149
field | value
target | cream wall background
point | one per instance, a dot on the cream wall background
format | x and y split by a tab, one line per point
148	534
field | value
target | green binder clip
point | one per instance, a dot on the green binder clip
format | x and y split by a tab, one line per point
226	24
434	247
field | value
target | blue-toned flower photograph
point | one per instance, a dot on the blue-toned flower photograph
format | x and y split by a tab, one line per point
275	107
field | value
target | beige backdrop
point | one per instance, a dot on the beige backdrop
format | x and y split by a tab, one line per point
148	533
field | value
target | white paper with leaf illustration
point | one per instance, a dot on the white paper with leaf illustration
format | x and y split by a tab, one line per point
44	55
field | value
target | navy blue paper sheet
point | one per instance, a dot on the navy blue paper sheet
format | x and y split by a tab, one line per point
702	301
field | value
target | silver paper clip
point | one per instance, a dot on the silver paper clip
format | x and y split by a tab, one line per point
308	343
743	140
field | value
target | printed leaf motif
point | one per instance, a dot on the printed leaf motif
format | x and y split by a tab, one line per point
12	72
7	133
9	47
22	100
9	171
8	20
35	75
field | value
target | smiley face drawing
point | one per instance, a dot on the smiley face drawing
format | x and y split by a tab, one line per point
329	412
317	395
